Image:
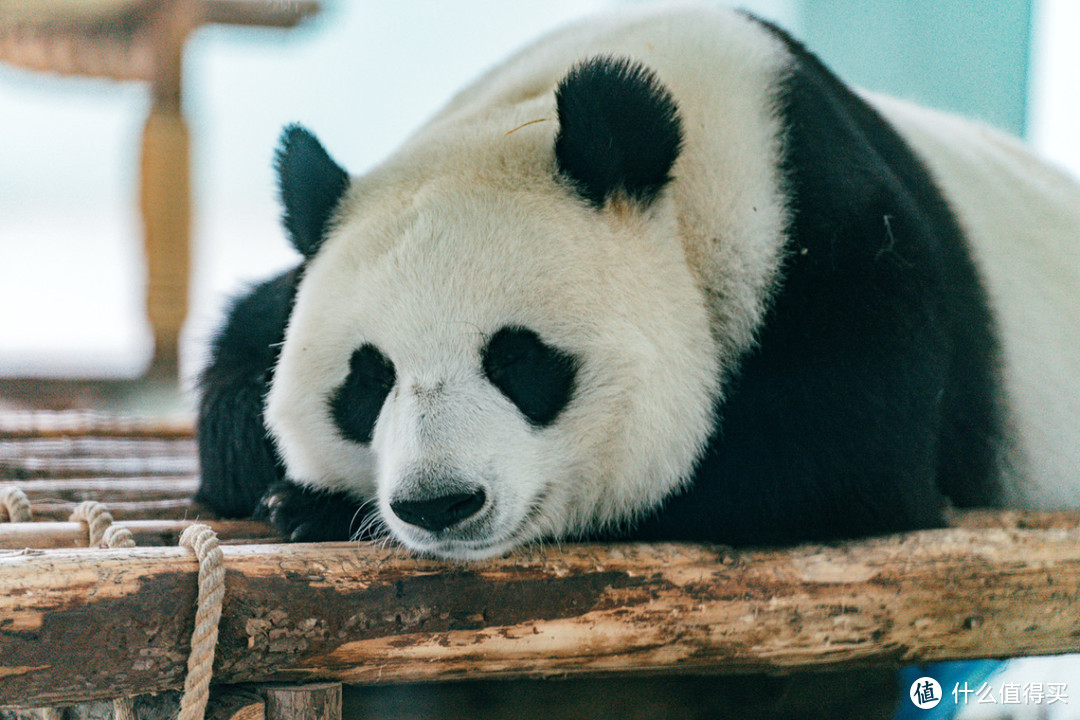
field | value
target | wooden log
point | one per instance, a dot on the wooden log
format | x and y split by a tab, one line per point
146	533
109	490
165	198
163	706
55	459
66	446
51	424
227	702
182	508
81	624
982	518
314	701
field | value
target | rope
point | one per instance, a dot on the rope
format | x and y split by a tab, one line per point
100	528
102	532
117	536
14	505
204	542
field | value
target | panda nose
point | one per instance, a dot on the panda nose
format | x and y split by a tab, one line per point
439	513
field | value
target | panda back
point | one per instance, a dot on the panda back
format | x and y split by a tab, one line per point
1022	222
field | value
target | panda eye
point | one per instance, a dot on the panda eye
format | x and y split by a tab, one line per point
356	403
536	377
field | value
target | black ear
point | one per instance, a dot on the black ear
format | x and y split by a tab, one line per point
311	185
619	130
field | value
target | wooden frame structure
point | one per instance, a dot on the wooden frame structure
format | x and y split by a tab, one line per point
142	40
81	624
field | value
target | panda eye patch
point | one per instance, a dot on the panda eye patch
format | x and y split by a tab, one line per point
536	377
356	403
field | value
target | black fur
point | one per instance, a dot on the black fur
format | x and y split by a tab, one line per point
356	404
241	473
304	515
311	185
873	396
237	459
619	130
536	377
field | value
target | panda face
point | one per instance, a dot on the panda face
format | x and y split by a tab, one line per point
434	490
498	337
490	366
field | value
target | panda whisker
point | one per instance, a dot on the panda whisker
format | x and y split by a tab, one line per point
371	525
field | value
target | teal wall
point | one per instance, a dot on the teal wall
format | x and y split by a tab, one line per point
968	56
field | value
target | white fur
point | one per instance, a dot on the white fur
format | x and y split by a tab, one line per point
1023	220
485	260
466	230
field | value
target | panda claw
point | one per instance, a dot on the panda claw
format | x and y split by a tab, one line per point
302	515
300	533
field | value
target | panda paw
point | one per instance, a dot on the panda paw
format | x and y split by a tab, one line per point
303	515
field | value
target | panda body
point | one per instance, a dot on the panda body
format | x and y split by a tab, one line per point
658	276
1022	220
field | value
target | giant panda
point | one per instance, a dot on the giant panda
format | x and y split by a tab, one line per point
659	276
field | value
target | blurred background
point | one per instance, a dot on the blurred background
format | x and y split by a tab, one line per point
362	76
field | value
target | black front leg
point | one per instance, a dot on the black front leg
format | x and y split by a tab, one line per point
236	456
304	515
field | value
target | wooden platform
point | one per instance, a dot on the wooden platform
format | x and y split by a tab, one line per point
759	632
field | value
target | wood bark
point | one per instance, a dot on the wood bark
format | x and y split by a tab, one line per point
146	533
315	701
84	624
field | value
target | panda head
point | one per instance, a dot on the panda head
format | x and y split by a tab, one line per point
498	338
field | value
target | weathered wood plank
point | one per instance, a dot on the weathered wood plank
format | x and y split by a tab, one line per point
982	518
313	701
82	624
108	490
50	424
146	533
175	508
49	462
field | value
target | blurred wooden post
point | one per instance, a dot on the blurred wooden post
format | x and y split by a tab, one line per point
142	40
165	189
166	212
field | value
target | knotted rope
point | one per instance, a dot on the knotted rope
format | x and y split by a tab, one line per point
99	523
204	542
14	505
